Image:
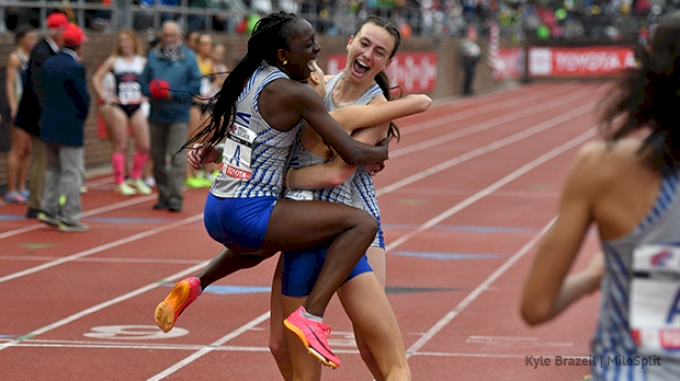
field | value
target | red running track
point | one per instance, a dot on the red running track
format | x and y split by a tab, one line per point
465	197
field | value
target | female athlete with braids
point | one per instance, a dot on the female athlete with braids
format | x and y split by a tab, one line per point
259	111
630	189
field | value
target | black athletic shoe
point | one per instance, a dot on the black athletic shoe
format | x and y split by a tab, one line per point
161	205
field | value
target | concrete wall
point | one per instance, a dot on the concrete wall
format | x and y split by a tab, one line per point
98	47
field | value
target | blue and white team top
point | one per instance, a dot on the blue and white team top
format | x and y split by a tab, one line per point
363	189
638	330
255	155
128	89
300	158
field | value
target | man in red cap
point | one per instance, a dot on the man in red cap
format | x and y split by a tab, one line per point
64	110
28	115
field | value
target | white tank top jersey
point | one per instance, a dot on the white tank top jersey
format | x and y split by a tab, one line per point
638	329
362	187
255	155
21	75
127	73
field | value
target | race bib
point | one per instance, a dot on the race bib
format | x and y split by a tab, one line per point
129	93
238	151
655	299
299	194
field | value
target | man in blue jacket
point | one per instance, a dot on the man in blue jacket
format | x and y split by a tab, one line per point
174	67
64	110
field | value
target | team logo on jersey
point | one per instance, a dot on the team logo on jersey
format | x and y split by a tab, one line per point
660	259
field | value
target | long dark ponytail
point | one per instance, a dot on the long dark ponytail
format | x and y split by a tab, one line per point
271	33
648	95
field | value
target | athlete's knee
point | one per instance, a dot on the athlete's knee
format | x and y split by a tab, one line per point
278	348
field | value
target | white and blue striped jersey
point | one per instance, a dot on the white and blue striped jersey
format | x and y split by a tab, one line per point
363	189
255	155
613	344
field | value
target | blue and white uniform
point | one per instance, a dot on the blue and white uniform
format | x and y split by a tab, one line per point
254	158
301	268
363	188
629	291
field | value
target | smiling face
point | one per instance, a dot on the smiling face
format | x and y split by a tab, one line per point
302	49
368	52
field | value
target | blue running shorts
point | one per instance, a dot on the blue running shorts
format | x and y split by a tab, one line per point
241	222
301	270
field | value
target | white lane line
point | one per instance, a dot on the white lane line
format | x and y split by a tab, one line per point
103	209
494	187
501	120
522	112
100	248
210	348
100	259
413	349
512	260
556	121
506	103
101	306
242	348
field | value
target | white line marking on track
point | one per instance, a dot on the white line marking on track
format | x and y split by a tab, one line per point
498	121
103	209
103	305
512	260
506	103
210	348
100	248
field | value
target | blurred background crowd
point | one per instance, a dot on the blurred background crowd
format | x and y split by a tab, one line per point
518	19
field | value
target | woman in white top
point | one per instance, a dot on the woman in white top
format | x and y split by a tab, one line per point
17	162
122	108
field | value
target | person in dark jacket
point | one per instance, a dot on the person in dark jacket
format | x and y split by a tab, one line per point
470	54
28	115
64	110
171	78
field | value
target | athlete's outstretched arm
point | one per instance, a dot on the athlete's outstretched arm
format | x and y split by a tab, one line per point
548	290
353	118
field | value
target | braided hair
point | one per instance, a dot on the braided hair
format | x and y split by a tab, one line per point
271	33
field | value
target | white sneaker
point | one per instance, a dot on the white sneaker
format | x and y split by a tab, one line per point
141	187
125	190
150	182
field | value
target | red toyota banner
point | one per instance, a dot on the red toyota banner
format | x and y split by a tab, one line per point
593	61
414	72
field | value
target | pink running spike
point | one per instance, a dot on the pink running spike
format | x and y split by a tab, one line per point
314	335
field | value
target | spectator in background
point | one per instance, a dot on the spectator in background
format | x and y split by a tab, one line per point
64	110
470	54
191	39
170	78
124	107
201	108
15	80
29	113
